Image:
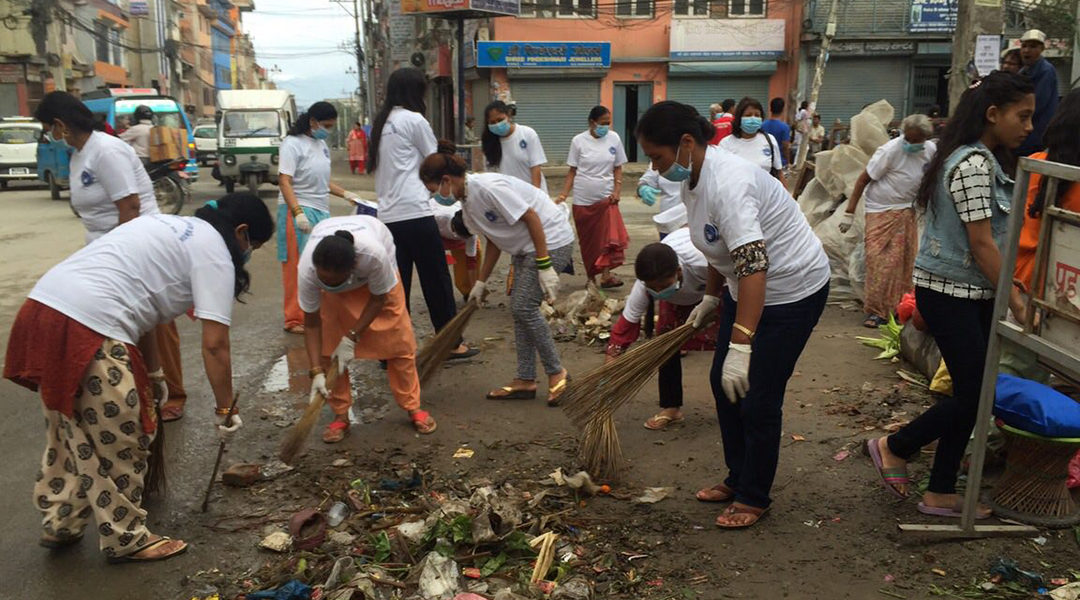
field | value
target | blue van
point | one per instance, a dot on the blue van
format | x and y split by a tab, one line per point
52	163
116	105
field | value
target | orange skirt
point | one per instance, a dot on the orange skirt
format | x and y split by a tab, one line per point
390	334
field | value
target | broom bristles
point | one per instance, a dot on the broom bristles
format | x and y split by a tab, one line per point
298	435
438	348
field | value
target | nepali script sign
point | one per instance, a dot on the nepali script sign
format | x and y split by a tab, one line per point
727	39
496	55
933	16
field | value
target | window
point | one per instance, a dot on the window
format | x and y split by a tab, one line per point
577	8
746	8
540	9
101	42
206	97
628	9
117	50
691	8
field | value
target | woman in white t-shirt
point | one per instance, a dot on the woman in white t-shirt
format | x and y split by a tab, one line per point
757	240
748	141
82	340
889	183
654	189
305	188
596	158
400	139
512	148
354	307
521	220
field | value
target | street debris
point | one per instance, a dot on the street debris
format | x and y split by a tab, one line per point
279	541
653	495
584	316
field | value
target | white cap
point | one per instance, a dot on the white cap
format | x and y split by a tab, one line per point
1033	35
671	219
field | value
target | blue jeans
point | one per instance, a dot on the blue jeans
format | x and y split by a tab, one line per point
751	427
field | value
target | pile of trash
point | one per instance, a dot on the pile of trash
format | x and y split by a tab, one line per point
824	198
585	316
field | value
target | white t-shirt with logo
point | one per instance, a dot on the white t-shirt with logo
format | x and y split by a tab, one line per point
670	191
307	161
495	205
376	265
521	151
695	274
143	273
104	172
734	204
407	139
443	217
895	175
762	150
595	159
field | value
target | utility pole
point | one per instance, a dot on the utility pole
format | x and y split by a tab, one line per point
973	18
1074	77
815	87
361	88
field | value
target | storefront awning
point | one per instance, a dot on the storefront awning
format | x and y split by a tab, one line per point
734	67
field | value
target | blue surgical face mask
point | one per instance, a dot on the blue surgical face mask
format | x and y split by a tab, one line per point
602	130
913	148
501	129
336	288
320	133
444	200
676	172
667	292
750	124
245	256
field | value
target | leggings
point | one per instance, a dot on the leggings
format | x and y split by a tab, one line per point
418	242
532	335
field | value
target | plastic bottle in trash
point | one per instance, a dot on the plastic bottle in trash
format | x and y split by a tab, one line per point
337	514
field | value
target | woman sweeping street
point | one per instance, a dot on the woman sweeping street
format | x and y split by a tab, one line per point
463	246
757	240
511	148
74	340
357	146
748	141
304	181
354	307
595	177
890	181
522	221
966	194
400	139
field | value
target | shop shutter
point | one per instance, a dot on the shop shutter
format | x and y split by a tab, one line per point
852	83
558	109
701	92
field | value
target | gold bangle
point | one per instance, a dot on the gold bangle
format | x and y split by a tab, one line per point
298	210
749	334
225	411
316	371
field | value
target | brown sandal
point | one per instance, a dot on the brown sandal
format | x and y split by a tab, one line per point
717	493
172	411
423	422
556	391
738	509
335	432
131	558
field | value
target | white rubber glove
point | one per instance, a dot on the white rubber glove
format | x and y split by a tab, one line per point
703	310
226	433
478	292
353	197
302	223
736	373
345	351
318	387
158	386
549	283
846	221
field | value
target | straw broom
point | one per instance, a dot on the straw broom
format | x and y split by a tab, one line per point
296	437
438	348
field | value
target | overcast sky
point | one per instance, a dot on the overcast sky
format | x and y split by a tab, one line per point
302	39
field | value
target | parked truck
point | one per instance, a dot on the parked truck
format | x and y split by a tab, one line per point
251	127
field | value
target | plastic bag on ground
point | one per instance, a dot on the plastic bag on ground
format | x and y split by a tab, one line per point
438	577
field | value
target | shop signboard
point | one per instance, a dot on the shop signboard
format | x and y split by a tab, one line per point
933	16
727	39
436	7
496	55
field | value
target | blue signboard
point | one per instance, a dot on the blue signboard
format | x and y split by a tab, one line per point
933	16
495	55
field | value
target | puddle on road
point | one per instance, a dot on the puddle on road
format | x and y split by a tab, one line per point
287	379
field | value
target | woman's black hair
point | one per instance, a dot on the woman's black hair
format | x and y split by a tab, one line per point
804	105
597	112
444	162
968	122
491	143
320	111
745	103
1062	139
405	88
336	252
66	108
666	122
231	211
457	225
655	261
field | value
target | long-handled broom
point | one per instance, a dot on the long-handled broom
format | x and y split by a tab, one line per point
296	437
438	348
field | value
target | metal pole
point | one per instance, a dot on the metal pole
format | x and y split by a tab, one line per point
459	129
361	92
815	87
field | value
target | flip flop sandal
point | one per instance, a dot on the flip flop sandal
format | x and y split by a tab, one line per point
611	283
131	558
172	411
297	329
512	394
423	422
873	321
955	512
890	479
335	432
731	511
471	352
60	541
308	529
556	391
703	495
659	422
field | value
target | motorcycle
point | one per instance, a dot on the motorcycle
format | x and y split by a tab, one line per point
171	185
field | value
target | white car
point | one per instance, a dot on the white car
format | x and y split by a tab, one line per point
206	144
18	149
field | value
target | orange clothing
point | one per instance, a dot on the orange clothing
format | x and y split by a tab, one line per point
294	317
1029	235
357	144
168	344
